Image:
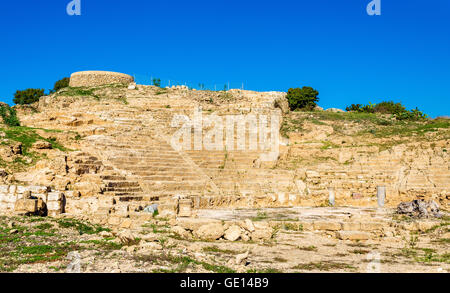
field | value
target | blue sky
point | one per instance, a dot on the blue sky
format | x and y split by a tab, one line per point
331	45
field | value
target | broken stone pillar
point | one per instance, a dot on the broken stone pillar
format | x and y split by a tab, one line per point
168	209
185	208
54	203
381	195
331	197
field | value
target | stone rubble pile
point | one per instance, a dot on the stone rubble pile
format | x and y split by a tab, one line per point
212	230
419	209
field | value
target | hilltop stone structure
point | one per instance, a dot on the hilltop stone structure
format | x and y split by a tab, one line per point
98	78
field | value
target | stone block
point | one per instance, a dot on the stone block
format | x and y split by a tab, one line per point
211	231
185	208
307	226
54	206
72	194
327	226
312	174
372	226
10	198
126	223
351	226
352	235
54	196
38	189
21	189
121	210
114	221
26	206
168	208
12	189
4	188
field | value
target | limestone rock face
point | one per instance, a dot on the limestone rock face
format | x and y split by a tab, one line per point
211	231
42	145
283	104
96	78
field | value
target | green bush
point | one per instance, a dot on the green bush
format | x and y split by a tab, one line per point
9	116
414	115
302	98
370	108
60	84
390	108
396	109
156	82
28	96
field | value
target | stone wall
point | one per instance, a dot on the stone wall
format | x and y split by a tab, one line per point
96	78
29	199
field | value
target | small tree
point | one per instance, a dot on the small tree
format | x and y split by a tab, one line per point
28	96
302	98
60	84
157	82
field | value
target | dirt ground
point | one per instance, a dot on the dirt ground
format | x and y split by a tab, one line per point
44	244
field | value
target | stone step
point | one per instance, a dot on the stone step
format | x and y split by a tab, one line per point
122	183
123	190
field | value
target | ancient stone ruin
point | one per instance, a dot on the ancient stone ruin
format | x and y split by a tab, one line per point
113	153
96	78
127	160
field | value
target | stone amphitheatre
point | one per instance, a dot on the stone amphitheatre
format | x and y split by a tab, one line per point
93	169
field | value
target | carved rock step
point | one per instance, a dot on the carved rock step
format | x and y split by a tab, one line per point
121	183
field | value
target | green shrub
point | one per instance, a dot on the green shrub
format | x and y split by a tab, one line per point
370	108
60	84
9	116
28	96
302	98
396	109
156	82
354	108
414	115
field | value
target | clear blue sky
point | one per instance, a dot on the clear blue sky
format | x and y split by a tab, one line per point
331	45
